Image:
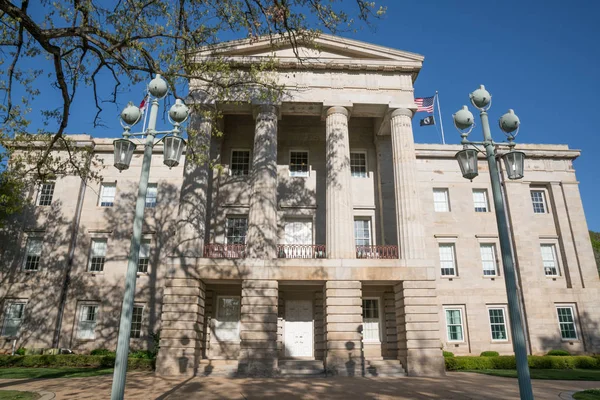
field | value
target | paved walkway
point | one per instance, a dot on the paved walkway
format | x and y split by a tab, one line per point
146	386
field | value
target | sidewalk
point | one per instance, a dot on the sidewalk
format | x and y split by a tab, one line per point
146	386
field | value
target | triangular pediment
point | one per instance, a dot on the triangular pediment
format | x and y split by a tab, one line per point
325	50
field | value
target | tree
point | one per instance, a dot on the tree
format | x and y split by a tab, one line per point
595	239
122	42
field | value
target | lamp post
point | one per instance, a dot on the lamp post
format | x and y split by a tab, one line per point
123	152
514	163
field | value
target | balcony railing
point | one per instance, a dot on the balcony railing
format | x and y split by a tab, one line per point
215	250
301	251
377	252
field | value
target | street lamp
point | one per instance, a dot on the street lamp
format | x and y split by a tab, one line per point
513	160
123	152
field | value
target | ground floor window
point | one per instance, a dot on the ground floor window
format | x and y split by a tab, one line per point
227	321
454	324
371	320
566	322
497	323
13	317
88	316
136	321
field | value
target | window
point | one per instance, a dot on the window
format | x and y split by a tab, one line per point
549	259
488	259
136	322
538	200
240	162
362	232
358	165
298	232
447	259
480	200
566	322
299	163
151	195
371	320
97	255
45	194
13	318
107	194
441	202
454	325
33	254
236	230
497	323
144	256
88	315
228	319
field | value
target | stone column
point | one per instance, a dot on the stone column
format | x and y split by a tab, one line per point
262	236
181	335
258	331
343	328
417	318
191	221
339	208
409	217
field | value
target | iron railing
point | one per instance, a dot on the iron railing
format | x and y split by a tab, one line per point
215	250
301	251
377	252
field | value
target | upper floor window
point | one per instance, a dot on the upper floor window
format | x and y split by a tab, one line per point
549	259
538	200
566	322
45	194
136	321
33	253
488	259
299	163
441	201
362	231
151	195
144	259
298	232
447	259
240	162
107	194
236	230
13	318
97	255
358	164
88	316
454	325
480	201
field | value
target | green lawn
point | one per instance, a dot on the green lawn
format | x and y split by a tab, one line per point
18	373
17	395
555	374
590	394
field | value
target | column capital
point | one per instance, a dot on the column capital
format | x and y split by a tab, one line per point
338	110
266	111
401	112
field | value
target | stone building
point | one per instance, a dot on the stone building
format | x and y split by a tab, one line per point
328	240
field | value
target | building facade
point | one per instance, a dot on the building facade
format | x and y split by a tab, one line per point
327	235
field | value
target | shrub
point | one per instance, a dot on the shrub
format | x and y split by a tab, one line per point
67	360
489	354
504	362
448	354
535	362
558	353
102	352
451	363
20	351
472	363
144	354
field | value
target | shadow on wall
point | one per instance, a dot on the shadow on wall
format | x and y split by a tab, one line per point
588	337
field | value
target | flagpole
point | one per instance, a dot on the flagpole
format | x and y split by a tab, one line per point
437	98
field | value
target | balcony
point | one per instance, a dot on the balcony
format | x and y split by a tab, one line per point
215	250
301	251
377	252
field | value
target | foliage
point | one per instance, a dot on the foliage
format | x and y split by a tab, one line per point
144	354
102	352
489	354
589	394
50	373
558	353
595	239
71	360
535	362
155	336
20	351
448	354
555	374
17	395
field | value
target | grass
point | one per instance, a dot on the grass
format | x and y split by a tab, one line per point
554	374
590	394
17	395
48	373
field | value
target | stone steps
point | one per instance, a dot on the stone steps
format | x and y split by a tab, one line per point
301	367
227	368
374	368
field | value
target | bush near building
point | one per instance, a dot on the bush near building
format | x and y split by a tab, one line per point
72	360
465	363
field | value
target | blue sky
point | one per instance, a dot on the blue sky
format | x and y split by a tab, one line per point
538	57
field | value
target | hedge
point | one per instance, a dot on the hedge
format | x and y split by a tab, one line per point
489	354
72	360
535	362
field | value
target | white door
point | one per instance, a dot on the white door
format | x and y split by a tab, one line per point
298	328
226	323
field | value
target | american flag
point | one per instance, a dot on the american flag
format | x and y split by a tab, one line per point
425	104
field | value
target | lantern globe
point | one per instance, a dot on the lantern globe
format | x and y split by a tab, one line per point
467	160
173	147
179	111
481	98
131	114
514	162
123	152
158	87
463	119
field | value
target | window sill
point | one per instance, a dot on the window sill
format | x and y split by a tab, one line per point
449	277
492	277
570	341
94	273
